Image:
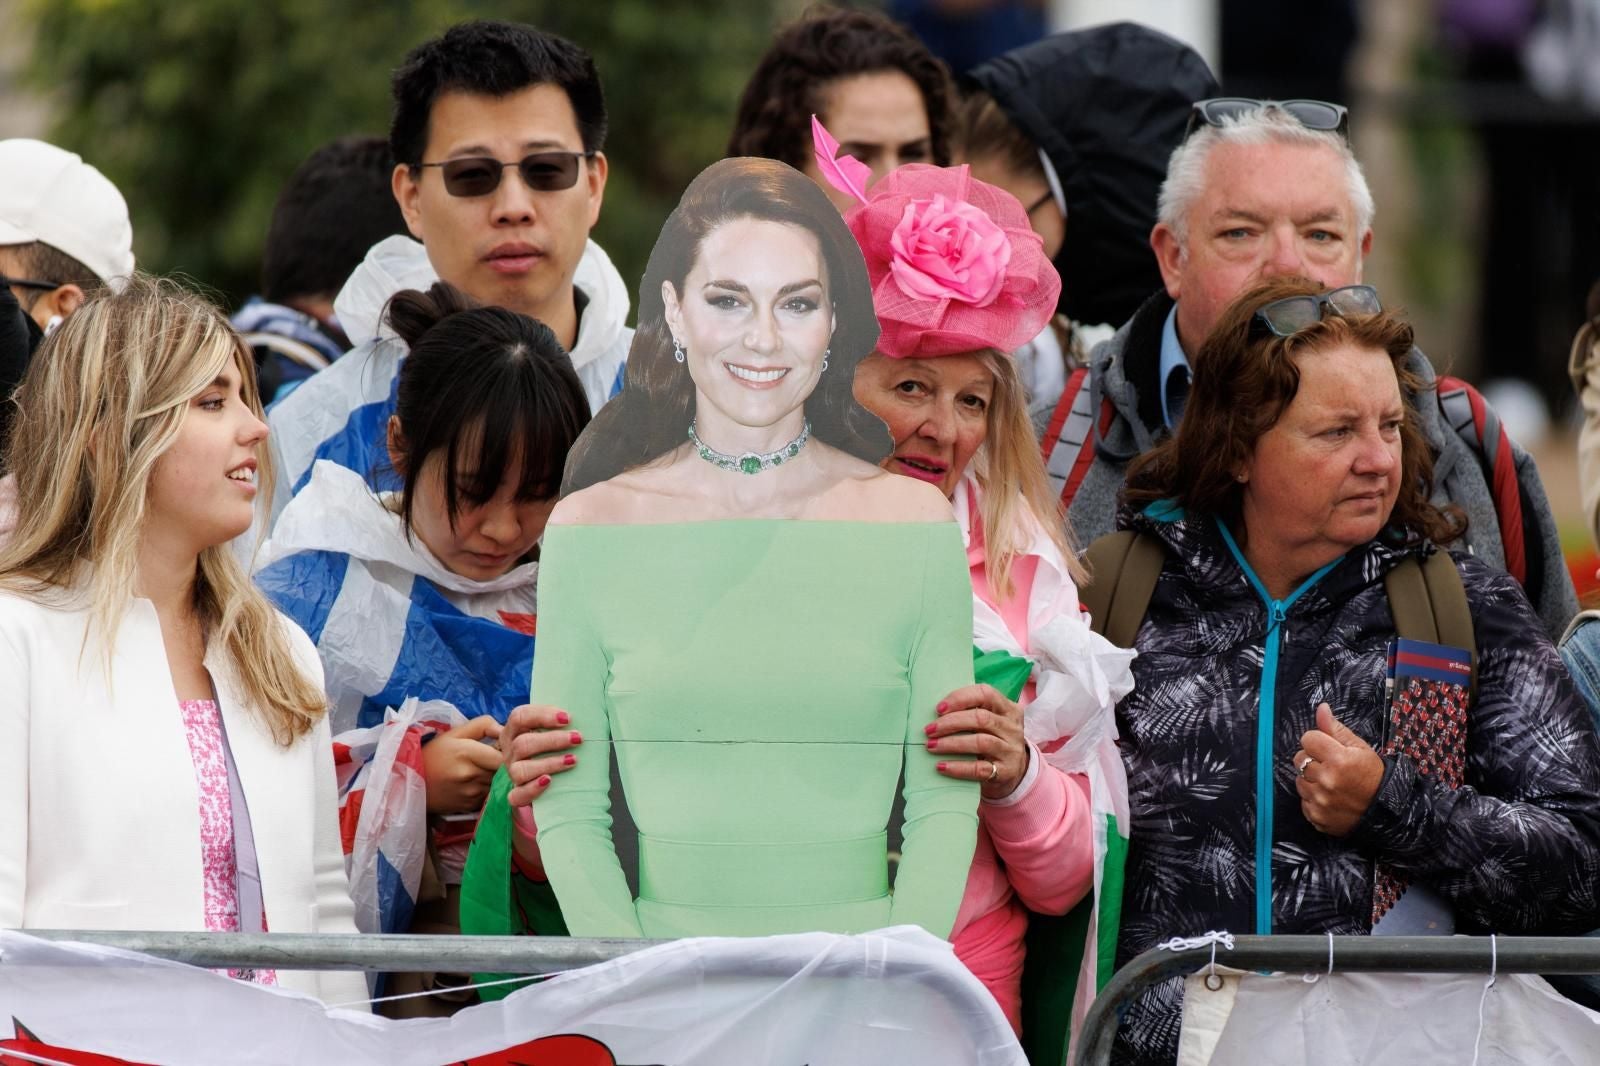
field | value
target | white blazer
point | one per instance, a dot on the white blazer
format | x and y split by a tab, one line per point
99	807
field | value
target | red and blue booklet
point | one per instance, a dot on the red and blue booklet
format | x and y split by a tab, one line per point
1429	690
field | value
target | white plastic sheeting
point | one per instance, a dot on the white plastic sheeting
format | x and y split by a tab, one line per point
878	999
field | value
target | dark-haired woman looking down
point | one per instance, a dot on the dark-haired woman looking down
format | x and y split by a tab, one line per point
428	593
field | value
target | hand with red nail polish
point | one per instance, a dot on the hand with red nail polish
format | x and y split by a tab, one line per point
537	747
978	721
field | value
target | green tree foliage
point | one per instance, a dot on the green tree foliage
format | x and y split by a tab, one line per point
200	109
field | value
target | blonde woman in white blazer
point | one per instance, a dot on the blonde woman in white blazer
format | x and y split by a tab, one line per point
167	762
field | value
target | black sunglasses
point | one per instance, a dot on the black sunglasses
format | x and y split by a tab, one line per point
480	175
1289	316
25	283
1312	114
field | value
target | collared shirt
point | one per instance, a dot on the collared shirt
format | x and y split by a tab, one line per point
1172	358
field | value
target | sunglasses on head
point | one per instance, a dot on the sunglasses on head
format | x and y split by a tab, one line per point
480	175
1312	114
1289	316
25	283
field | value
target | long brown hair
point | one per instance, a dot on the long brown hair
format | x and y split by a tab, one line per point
1245	377
102	401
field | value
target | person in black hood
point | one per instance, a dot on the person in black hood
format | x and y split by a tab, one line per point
1079	127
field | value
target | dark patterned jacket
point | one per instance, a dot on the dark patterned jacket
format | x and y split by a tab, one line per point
1516	850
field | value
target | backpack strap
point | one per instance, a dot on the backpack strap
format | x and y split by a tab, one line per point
1476	423
1429	603
298	352
1123	569
1068	443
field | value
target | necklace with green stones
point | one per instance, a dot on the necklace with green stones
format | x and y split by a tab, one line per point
750	462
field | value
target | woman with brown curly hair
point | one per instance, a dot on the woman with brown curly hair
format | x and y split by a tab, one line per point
880	91
1274	787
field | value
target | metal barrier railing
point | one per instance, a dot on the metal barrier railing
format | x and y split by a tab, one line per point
370	952
1311	954
479	954
546	955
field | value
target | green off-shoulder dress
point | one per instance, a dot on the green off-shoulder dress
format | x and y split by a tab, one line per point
762	683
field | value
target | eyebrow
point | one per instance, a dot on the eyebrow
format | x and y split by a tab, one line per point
1327	214
737	286
1239	214
1350	414
527	146
880	144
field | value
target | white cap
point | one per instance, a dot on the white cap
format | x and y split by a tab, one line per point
52	196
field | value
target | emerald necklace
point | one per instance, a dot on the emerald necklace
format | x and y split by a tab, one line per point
750	462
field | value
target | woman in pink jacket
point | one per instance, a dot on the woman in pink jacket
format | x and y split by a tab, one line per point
959	281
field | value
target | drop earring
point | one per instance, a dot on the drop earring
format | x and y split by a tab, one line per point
825	353
677	349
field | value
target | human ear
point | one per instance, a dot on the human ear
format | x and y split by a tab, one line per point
672	311
598	170
395	439
67	299
58	303
1169	257
404	183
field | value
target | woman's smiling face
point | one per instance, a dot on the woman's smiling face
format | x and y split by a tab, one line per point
754	320
937	411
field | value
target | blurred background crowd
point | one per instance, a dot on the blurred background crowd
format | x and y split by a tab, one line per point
1475	119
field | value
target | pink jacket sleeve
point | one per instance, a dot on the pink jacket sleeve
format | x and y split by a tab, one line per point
1045	840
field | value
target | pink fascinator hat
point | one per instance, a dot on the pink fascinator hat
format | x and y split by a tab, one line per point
954	264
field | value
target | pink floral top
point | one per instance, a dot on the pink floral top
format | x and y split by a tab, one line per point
202	721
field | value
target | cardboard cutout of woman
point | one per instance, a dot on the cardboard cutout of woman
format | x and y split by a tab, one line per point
741	605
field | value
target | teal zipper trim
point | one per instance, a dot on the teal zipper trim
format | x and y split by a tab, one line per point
1265	719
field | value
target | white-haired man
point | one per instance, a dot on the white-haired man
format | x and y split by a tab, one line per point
1257	190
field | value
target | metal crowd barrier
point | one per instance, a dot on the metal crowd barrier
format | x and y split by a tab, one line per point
475	954
369	952
1311	954
546	955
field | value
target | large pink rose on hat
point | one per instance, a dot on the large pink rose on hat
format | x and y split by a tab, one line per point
955	266
948	249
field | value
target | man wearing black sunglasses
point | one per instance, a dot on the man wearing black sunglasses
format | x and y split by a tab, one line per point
1263	189
497	134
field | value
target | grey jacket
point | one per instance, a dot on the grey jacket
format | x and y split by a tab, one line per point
1125	368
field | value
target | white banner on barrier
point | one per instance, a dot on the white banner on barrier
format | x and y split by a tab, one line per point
1383	1020
880	999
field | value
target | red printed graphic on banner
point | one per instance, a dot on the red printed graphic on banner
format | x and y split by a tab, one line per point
567	1049
25	1043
